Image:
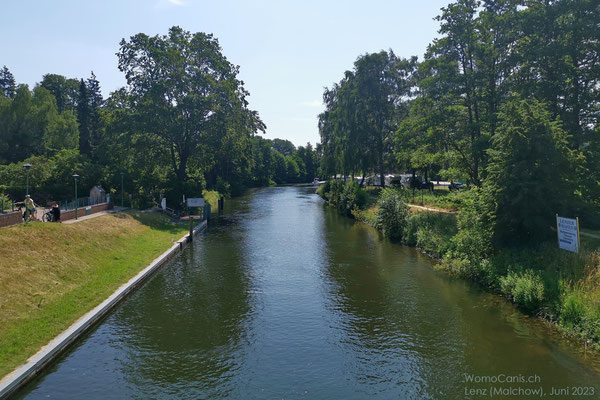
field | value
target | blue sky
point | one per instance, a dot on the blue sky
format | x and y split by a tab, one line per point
288	51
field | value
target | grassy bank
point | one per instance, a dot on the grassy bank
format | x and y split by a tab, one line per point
51	274
540	279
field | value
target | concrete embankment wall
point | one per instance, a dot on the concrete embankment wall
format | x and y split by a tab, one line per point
15	380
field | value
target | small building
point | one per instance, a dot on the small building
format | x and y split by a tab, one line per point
97	195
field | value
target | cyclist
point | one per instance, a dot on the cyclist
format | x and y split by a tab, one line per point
29	208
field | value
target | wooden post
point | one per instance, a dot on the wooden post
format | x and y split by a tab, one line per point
578	235
191	229
221	204
557	232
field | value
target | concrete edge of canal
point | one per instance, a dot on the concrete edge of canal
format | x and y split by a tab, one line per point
19	377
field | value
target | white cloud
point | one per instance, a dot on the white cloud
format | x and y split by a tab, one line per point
168	3
314	103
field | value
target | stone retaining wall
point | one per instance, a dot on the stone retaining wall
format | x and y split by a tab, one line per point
82	211
10	218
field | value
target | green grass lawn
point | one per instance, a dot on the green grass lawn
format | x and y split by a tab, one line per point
52	274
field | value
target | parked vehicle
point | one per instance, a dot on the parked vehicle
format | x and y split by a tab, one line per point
406	180
455	186
396	182
424	185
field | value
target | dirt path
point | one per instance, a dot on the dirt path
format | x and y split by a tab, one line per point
438	210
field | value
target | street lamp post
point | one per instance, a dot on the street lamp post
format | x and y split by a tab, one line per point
75	176
27	168
122	190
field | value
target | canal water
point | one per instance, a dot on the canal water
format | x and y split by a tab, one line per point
282	298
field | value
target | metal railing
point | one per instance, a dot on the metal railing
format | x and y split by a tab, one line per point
82	202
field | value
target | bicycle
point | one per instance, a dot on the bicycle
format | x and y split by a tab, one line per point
48	216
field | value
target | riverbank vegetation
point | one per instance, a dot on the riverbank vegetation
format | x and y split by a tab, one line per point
506	99
540	279
52	274
171	130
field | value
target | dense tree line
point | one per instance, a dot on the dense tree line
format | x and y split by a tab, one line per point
181	125
507	98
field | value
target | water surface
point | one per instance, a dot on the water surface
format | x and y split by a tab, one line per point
283	298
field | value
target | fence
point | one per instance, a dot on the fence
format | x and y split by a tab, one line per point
9	205
82	202
11	213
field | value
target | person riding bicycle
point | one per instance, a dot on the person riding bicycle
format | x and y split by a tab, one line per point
29	208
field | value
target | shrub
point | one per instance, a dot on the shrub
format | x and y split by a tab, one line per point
352	197
223	187
392	215
572	310
525	288
431	232
4	200
333	190
348	197
475	221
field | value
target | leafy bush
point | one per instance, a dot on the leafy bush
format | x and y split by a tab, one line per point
475	221
223	187
525	288
332	191
431	232
6	202
572	310
392	215
352	197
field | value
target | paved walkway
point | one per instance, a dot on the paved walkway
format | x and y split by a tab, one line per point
98	214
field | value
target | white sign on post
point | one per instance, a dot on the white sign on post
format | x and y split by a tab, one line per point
195	202
568	233
163	203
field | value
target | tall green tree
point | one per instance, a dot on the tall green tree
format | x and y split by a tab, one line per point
64	90
96	102
8	85
529	171
362	113
183	90
30	124
309	158
83	118
283	146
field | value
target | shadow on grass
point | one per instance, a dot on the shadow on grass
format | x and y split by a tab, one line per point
155	221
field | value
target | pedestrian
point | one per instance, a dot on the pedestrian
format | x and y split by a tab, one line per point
29	208
55	212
